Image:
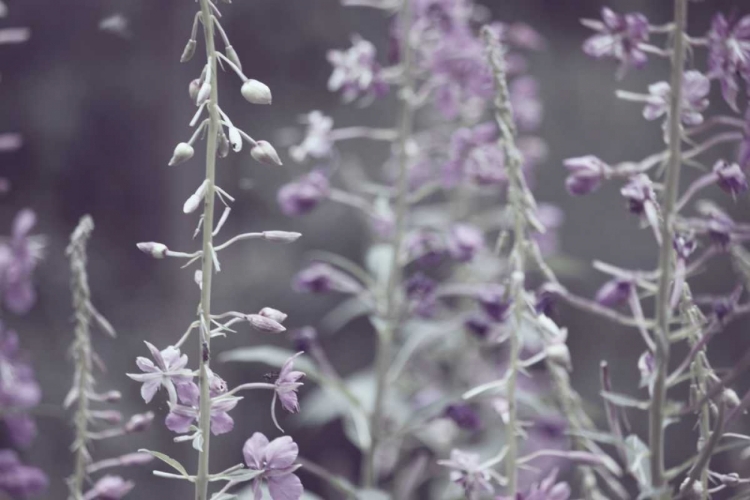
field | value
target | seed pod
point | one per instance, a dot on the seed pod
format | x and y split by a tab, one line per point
183	152
189	51
265	153
256	92
233	57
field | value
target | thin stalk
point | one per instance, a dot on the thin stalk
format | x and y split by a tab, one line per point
387	333
666	255
202	477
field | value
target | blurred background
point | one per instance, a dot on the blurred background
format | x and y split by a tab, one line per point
100	111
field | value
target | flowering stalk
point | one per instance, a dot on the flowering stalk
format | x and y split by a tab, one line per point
667	253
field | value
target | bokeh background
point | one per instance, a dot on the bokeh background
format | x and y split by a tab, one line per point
101	110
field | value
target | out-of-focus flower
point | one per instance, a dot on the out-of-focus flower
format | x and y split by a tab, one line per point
465	471
464	241
19	389
619	37
494	302
464	416
109	488
18	259
287	384
527	106
614	292
729	54
695	90
317	143
425	247
476	154
356	72
303	195
478	325
169	372
420	291
181	416
586	174
275	461
304	338
552	218
731	178
320	277
18	480
639	193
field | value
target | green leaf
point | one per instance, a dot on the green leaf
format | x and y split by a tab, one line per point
167	460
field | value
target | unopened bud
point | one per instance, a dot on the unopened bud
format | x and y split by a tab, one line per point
264	324
195	199
156	250
559	354
730	398
256	92
182	153
203	94
281	236
274	314
135	459
139	422
189	51
265	153
109	416
111	396
731	479
235	139
193	89
198	277
223	148
233	57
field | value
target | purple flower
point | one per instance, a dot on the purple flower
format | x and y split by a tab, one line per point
478	325
303	195
639	193
476	154
619	37
694	98
109	488
725	305
304	338
614	292
464	241
527	107
356	71
318	142
287	384
494	302
320	277
426	248
729	54
521	35
464	416
420	290
586	174
731	178
18	259
467	473
275	460
18	480
181	416
684	245
168	371
716	223
646	366
552	218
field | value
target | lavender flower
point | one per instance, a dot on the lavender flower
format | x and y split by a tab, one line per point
467	473
494	302
181	416
275	459
546	489
287	384
586	174
18	480
356	72
318	142
320	277
620	37
464	241
19	389
109	488
731	178
464	416
614	292
18	259
425	247
694	98
527	108
420	291
729	54
169	372
475	154
303	195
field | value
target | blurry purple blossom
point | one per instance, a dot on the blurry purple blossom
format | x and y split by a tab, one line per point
356	72
478	325
527	107
109	488
317	143
181	416
694	98
19	389
420	290
425	248
619	37
18	259
731	178
304	194
476	154
614	292
521	35
18	480
639	193
287	384
546	489
464	416
552	218
320	277
467	473
494	302
168	371
464	241
276	461
586	174
729	54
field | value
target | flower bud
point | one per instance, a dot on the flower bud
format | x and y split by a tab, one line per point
647	367
614	292
204	93
223	148
492	299
559	354
182	153
189	51
586	174
235	139
233	57
731	178
265	153
110	487
256	92
139	422
464	416
195	199
274	314
156	250
111	396
264	324
108	416
281	236
193	89
730	398
304	338
135	459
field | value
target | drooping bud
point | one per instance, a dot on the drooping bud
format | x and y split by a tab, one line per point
193	89
223	148
108	416
265	153
204	93
264	324
189	51
233	57
586	174
274	314
156	250
493	301
111	396
235	139
110	487
139	422
182	153
614	292
256	92
281	236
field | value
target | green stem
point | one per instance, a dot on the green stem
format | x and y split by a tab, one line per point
202	477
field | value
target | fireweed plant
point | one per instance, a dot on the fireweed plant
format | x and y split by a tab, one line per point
93	424
199	399
467	363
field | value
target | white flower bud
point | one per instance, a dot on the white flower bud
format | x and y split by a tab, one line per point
256	92
281	236
264	324
193	89
730	398
195	199
233	57
235	139
156	250
204	93
198	277
183	152
558	353
265	153
189	51
223	148
135	459
274	314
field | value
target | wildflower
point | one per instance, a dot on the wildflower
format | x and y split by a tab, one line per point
527	108
586	174
620	37
426	248
264	152
304	338
694	98
19	390
356	71
18	260
139	422
639	193
303	195
320	277
475	153
275	461
420	290
466	472
494	302
464	416
18	480
287	384
614	292
317	143
256	92
464	241
169	372
265	324
477	325
731	178
181	416
182	153
109	488
729	54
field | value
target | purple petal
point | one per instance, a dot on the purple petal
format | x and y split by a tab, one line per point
253	450
287	487
281	453
221	423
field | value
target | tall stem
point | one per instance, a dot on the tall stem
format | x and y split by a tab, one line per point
201	480
391	313
666	255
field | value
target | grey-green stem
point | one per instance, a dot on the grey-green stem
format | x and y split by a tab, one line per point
666	255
